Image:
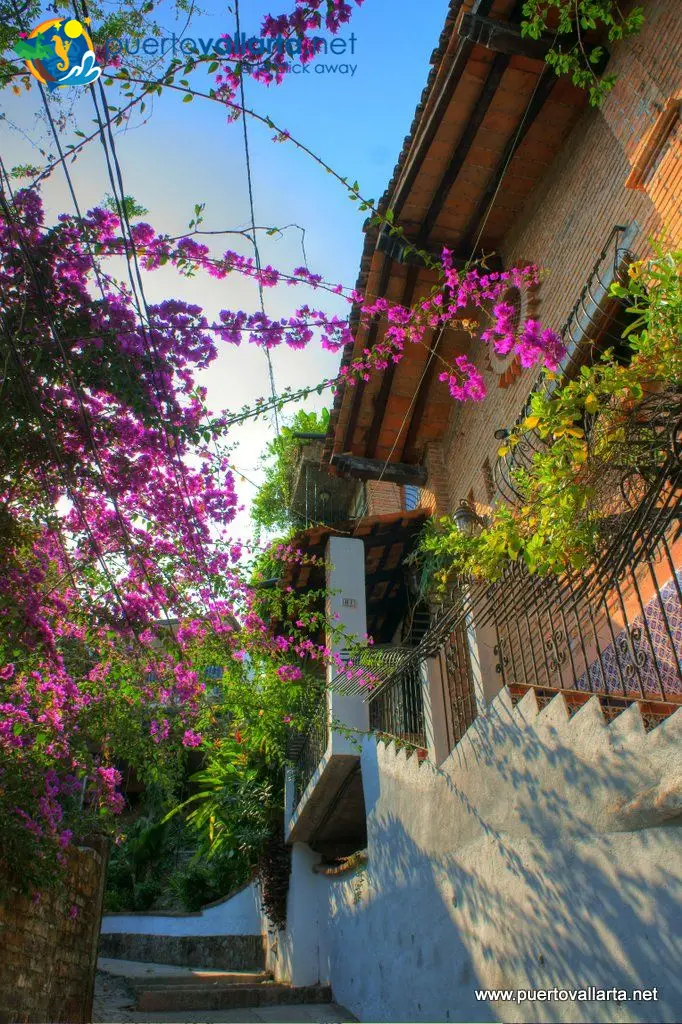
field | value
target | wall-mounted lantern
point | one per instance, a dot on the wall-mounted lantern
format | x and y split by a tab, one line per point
467	520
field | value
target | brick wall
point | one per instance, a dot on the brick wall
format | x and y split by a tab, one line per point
434	496
568	219
48	963
383	498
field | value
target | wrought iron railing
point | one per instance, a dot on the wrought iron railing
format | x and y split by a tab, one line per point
614	629
397	710
592	317
311	748
322	500
453	657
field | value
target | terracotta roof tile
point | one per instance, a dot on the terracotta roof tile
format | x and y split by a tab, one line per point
372	233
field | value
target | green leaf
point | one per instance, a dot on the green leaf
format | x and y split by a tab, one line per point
188	98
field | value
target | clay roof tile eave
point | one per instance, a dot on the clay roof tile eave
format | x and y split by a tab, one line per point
372	232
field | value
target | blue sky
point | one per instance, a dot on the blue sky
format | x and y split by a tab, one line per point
187	153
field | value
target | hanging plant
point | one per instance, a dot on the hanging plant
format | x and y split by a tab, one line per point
569	21
600	439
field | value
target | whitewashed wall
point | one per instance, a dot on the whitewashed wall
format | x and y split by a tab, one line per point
236	915
545	852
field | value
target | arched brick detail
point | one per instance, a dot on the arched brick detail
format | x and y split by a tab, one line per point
508	368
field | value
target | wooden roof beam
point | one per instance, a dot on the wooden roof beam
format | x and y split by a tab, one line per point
359	468
503	37
400	535
356	403
401	250
506	37
422	143
389	373
477	221
492	82
422	397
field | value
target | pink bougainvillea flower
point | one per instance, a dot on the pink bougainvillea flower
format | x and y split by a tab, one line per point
191	738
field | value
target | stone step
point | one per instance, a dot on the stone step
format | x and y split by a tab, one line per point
215	996
197	977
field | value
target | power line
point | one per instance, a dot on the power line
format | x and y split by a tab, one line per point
432	353
249	180
139	300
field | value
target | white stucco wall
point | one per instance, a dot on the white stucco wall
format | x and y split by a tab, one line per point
544	852
236	915
346	609
295	955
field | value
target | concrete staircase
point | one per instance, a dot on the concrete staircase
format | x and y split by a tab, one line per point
619	764
226	992
162	988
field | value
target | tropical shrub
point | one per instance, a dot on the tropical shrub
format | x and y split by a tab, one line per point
271	507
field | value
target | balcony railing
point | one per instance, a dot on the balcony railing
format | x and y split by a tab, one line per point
614	630
322	500
397	697
592	317
398	709
312	748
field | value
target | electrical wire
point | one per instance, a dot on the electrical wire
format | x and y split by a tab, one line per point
432	354
91	442
249	179
140	300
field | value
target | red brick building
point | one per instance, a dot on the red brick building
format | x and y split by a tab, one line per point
503	158
508	164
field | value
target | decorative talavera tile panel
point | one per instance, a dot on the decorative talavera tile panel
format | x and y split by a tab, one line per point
644	653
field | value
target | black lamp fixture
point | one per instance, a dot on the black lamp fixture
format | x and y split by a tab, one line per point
467	519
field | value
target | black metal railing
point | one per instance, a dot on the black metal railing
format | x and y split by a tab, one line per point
594	315
614	629
453	657
398	710
322	500
396	697
396	701
312	747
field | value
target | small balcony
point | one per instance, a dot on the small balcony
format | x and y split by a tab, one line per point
367	592
326	806
320	499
